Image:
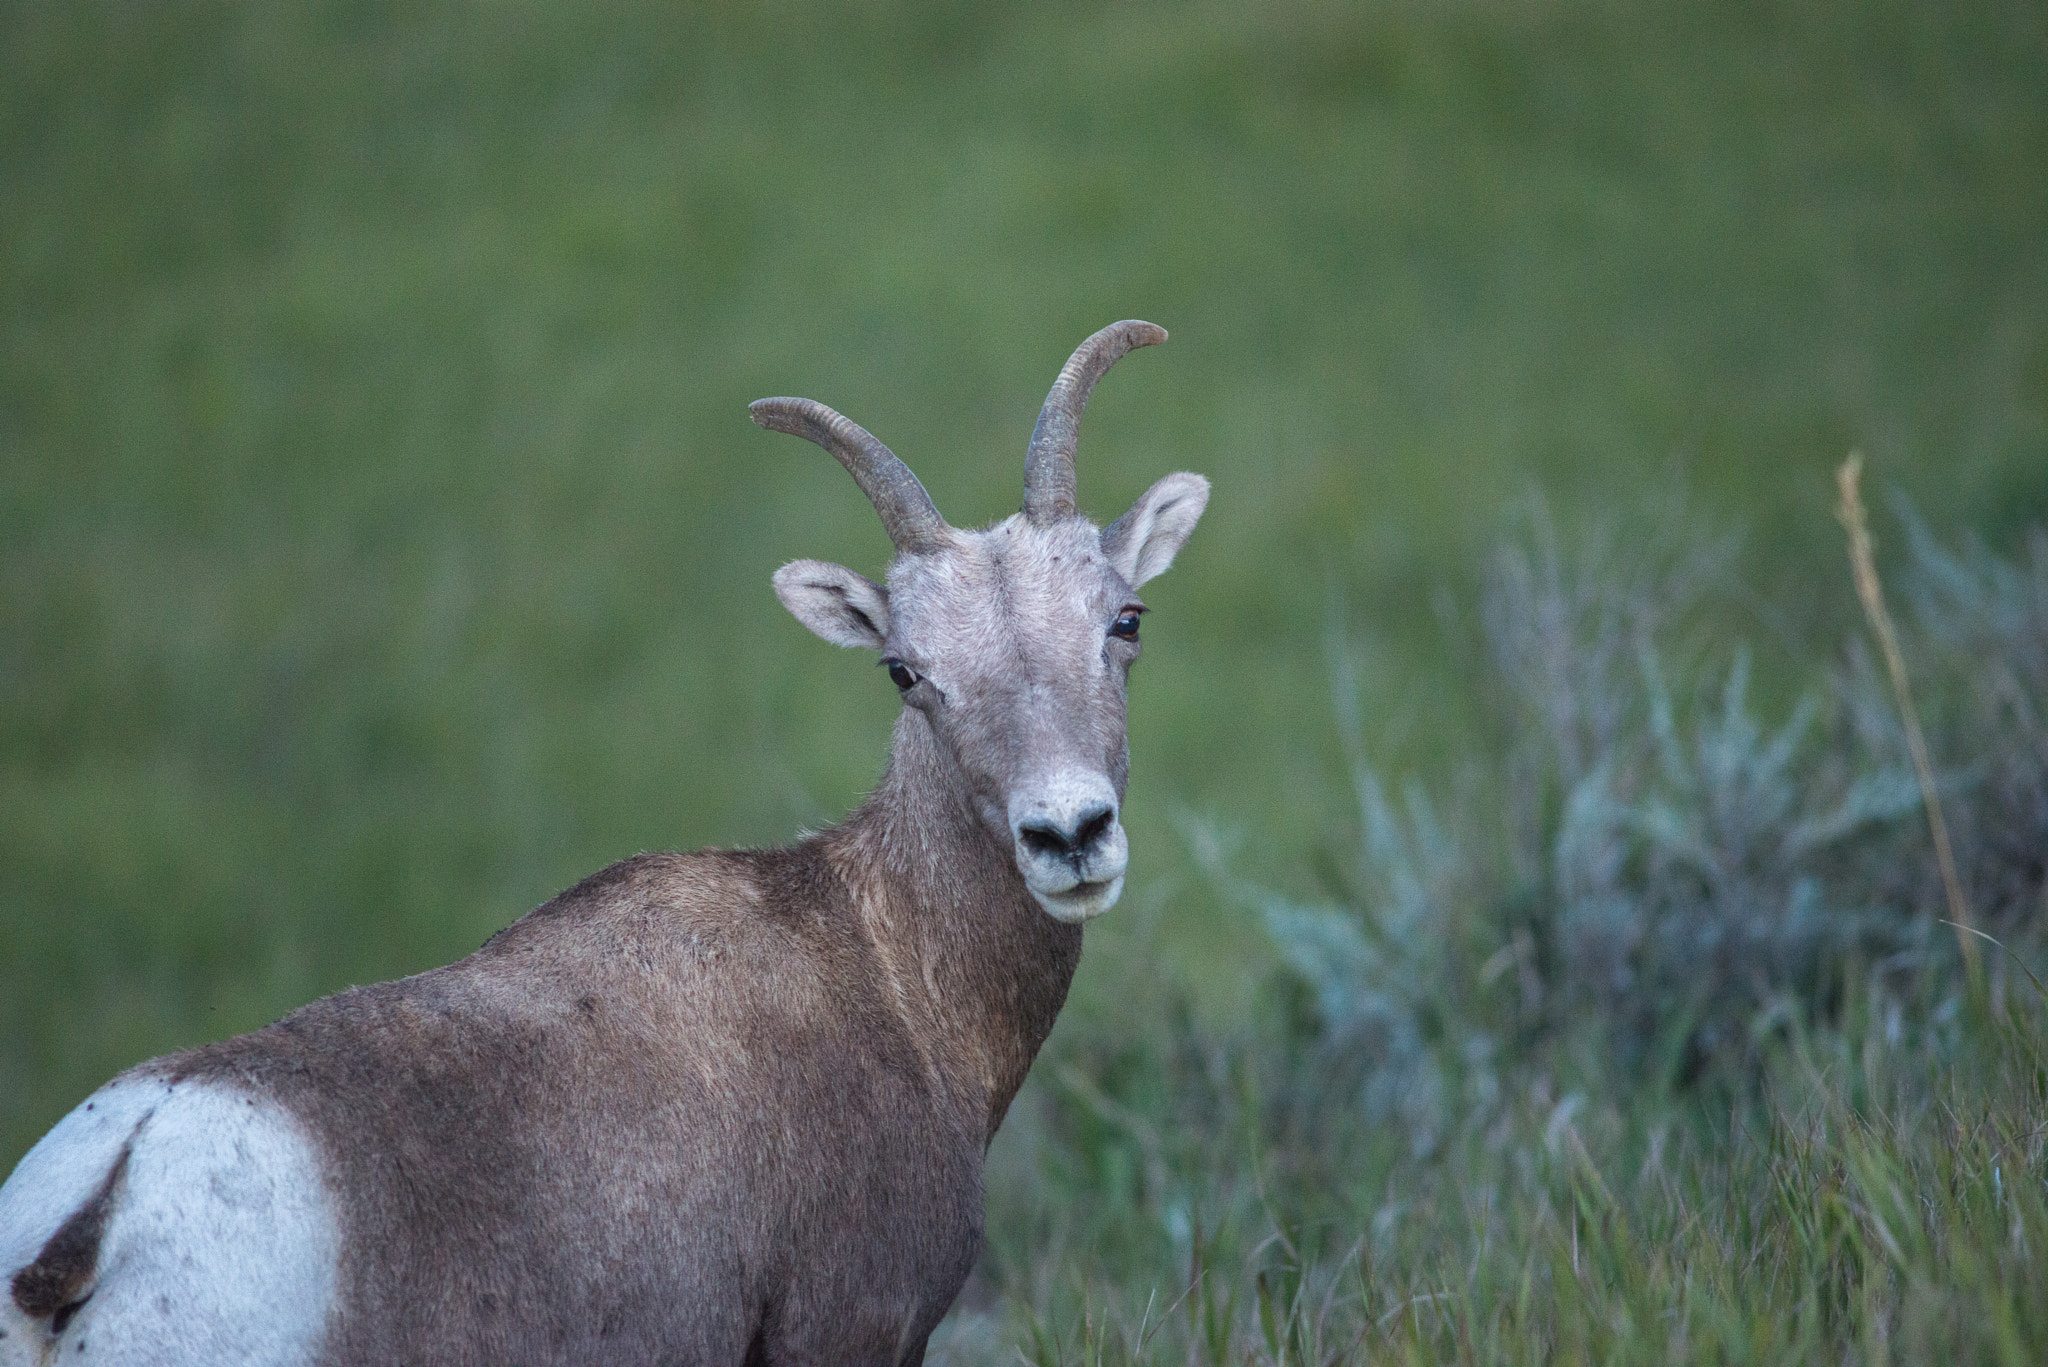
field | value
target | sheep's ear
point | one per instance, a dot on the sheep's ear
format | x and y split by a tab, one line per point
835	603
1143	542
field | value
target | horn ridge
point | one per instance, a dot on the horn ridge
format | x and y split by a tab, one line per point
907	511
1049	484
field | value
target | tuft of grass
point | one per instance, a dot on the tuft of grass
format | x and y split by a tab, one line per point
1870	592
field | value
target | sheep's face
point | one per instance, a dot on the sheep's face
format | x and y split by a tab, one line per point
1013	645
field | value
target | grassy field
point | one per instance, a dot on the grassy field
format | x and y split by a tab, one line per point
1877	1197
383	544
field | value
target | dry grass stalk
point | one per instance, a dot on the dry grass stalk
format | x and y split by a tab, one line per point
1868	588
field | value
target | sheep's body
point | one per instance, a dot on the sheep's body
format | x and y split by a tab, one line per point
724	1107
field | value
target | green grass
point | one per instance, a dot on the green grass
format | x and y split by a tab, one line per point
1878	1197
383	544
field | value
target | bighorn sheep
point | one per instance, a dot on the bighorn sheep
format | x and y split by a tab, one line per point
728	1107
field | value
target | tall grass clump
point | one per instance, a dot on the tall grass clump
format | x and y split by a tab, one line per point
1644	1042
1646	863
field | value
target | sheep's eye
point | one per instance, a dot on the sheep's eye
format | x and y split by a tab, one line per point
900	674
1126	624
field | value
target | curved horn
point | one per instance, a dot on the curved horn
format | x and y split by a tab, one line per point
908	514
1049	464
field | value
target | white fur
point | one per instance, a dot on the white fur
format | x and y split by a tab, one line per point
222	1245
1083	902
1143	542
838	605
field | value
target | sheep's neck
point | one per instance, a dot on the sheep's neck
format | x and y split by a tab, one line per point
978	970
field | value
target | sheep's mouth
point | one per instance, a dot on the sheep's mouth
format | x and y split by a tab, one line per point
1083	901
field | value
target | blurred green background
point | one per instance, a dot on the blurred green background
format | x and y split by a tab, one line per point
384	544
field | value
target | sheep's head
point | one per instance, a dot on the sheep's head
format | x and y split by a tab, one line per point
1013	643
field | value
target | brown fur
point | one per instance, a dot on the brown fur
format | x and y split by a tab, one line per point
60	1279
699	1108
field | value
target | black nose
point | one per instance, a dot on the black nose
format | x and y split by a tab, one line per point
1046	838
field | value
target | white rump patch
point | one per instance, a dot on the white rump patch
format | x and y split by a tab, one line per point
222	1245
